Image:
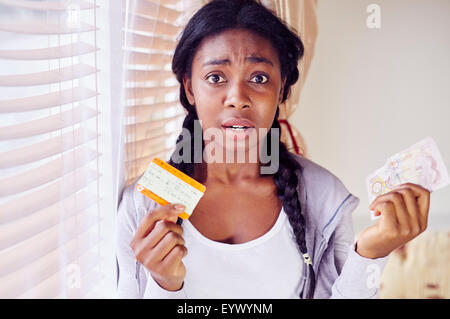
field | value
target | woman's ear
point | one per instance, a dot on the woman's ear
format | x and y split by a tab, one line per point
187	83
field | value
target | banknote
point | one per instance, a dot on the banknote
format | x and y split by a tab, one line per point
420	164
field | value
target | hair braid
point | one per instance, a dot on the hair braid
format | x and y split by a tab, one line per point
287	182
188	168
189	124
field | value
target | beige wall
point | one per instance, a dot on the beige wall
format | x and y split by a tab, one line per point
373	92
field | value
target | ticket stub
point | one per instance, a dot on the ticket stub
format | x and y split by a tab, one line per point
165	184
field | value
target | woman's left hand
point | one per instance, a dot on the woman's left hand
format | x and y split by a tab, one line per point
404	215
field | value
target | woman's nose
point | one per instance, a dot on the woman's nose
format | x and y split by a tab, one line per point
237	97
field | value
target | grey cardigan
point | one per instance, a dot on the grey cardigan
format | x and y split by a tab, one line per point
327	205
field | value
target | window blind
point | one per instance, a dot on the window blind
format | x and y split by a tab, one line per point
153	114
49	149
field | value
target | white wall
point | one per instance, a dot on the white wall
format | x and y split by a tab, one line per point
371	93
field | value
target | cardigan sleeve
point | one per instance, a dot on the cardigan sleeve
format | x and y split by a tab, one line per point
359	277
127	268
134	281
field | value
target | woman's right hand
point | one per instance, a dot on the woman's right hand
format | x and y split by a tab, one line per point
159	246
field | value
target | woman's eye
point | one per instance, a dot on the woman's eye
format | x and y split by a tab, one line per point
214	78
260	78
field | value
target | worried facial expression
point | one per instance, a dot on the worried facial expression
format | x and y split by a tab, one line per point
235	85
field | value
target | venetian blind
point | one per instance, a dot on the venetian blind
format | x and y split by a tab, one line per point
153	114
49	149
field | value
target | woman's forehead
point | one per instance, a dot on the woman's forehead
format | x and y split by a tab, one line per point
235	44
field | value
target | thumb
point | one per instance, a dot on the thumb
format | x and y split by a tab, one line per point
174	211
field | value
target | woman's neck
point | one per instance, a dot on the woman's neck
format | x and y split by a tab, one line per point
227	173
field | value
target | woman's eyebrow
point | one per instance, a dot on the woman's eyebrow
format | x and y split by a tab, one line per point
251	59
258	59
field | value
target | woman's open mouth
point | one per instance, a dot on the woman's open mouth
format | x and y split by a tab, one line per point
237	132
238	128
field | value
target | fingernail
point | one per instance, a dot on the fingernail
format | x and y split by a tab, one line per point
179	207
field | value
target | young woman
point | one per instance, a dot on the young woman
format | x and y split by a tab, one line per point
283	235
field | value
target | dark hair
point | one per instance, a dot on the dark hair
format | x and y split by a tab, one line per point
216	17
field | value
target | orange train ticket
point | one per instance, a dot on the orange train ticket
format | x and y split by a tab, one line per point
165	184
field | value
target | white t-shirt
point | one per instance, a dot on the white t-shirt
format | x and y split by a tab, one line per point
269	266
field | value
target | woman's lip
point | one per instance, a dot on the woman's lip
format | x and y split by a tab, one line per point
238	134
237	122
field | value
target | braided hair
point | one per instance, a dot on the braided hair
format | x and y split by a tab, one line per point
213	18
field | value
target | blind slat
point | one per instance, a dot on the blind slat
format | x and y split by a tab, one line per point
24	228
46	100
140	164
48	77
140	160
159	134
148	75
64	51
48	172
46	148
150	122
136	58
51	287
147	130
155	10
47	124
143	92
149	146
40	258
48	5
143	112
41	28
154	26
43	243
149	42
47	195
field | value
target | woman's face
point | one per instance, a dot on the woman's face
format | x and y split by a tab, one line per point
235	75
